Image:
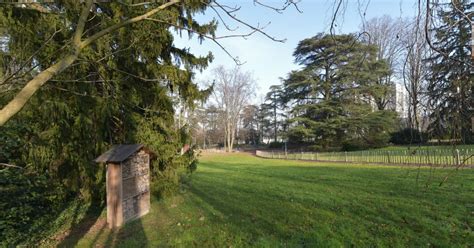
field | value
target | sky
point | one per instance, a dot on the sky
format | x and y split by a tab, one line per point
269	61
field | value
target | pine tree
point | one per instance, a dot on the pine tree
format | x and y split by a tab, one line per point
451	87
61	34
273	105
120	90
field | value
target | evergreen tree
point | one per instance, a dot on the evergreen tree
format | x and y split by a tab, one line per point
61	34
250	124
331	95
119	90
273	105
451	87
264	116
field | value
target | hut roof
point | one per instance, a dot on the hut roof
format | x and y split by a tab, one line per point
118	153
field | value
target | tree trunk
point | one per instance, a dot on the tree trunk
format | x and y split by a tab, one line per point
225	138
275	124
232	138
19	101
229	138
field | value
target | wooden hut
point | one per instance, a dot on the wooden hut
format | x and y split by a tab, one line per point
128	182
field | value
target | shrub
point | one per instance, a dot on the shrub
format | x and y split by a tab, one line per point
354	145
408	136
28	201
275	145
315	148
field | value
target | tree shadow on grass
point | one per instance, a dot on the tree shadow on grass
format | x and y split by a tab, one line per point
81	226
92	229
130	235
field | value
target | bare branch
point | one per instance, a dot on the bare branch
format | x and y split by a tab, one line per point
134	4
256	29
30	58
222	20
70	91
280	10
334	16
11	166
17	103
76	40
108	30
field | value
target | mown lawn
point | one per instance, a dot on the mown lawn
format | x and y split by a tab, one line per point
240	201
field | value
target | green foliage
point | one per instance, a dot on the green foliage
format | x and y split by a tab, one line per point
271	109
11	142
276	145
122	89
375	128
27	203
331	96
251	124
451	82
408	136
354	145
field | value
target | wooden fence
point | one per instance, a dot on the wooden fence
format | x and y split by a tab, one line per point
442	157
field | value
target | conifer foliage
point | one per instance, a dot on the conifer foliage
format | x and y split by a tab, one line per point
120	88
451	82
331	97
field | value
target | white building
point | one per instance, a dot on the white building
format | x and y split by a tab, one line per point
399	100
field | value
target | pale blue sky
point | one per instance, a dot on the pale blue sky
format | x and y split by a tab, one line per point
269	60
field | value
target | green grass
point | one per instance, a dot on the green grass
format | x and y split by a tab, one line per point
240	201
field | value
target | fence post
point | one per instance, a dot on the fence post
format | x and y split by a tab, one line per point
405	159
345	156
388	157
458	161
316	156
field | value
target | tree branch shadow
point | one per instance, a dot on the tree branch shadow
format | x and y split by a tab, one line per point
80	227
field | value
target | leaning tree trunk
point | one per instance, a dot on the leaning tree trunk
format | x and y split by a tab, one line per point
17	103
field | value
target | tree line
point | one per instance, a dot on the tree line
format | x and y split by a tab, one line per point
396	80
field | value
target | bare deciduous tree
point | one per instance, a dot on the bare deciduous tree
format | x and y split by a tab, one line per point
385	33
233	89
414	69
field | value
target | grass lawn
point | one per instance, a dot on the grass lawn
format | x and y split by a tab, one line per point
240	200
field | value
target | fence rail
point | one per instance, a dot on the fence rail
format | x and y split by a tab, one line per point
442	157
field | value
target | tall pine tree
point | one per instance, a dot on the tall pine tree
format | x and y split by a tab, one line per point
451	87
119	90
